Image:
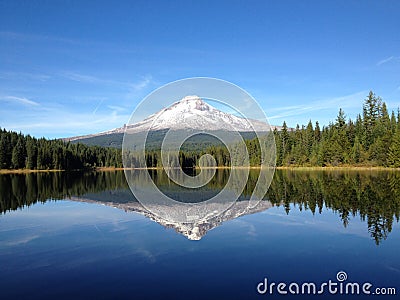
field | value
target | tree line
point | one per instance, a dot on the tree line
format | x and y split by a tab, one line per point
373	139
18	151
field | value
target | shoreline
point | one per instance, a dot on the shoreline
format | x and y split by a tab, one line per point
26	171
340	168
291	168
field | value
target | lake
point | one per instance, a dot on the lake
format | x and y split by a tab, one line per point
84	235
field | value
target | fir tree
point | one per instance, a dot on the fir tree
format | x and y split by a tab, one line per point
394	151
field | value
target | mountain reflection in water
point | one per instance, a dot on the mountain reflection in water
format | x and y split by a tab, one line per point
373	196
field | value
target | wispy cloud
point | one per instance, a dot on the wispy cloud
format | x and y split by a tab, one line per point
23	240
53	119
387	60
71	121
141	84
19	100
82	78
116	108
90	79
323	104
97	107
23	37
58	121
25	76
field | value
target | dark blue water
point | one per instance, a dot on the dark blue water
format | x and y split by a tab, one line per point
68	249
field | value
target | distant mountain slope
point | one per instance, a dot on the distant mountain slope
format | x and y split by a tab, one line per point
104	140
154	139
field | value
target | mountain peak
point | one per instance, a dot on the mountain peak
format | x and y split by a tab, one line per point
191	98
192	102
191	112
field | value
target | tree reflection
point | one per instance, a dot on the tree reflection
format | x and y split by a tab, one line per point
19	190
372	195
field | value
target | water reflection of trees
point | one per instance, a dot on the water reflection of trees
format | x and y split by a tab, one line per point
373	196
19	190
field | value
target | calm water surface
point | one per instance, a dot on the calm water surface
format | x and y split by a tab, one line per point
83	235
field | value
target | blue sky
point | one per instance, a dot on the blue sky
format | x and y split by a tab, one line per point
77	67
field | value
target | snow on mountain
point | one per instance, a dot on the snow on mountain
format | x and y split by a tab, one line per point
191	112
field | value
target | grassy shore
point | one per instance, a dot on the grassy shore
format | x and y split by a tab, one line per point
25	171
339	168
106	169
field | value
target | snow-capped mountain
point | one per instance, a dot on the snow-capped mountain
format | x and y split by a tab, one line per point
191	112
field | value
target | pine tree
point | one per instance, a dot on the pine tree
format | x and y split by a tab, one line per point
385	117
31	153
18	154
341	119
350	132
393	123
309	138
285	137
4	164
398	118
371	111
356	151
279	148
394	151
317	132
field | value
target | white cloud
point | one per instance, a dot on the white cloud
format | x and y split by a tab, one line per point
25	76
23	37
53	119
56	121
352	100
97	107
84	78
71	124
388	59
21	241
19	100
142	84
116	108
